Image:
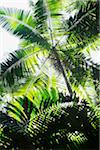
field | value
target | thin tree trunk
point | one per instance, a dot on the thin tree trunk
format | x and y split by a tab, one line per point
63	72
57	56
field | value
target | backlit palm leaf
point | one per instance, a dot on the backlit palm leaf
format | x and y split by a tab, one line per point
39	15
21	23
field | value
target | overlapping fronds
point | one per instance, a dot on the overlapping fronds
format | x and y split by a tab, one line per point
76	125
21	24
80	71
48	14
57	123
21	64
82	38
39	116
39	89
27	74
84	24
77	29
39	15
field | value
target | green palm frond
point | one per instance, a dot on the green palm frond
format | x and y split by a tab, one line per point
73	55
77	4
39	15
46	12
21	23
9	128
20	64
79	69
40	95
81	40
83	26
95	75
49	125
39	116
75	124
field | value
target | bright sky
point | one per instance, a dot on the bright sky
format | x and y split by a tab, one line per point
9	43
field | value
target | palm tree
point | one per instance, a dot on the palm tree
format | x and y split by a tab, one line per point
39	30
50	41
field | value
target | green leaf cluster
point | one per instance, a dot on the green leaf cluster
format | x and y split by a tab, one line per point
49	87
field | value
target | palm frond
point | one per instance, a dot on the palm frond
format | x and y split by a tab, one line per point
38	114
39	15
79	69
83	26
21	23
39	92
73	52
56	119
52	125
20	65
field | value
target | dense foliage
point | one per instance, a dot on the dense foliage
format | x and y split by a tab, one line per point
49	86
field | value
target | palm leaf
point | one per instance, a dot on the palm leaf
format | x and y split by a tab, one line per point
67	122
51	124
39	15
16	31
74	51
83	26
20	64
43	119
21	23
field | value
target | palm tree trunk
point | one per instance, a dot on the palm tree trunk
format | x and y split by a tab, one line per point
63	72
